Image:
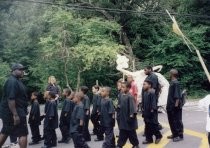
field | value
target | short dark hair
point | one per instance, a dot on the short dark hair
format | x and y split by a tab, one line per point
149	67
127	84
96	87
84	89
149	82
174	72
52	94
68	91
35	93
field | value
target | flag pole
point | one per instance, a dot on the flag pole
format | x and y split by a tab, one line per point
187	42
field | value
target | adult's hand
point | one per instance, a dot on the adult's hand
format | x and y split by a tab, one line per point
16	119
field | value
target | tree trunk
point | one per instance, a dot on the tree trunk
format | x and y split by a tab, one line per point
78	79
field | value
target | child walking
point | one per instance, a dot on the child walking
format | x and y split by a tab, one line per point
127	118
86	103
50	122
150	113
34	119
107	118
77	122
94	113
66	116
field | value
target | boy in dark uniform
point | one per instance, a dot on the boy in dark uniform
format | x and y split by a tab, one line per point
174	108
107	118
128	120
94	113
119	93
77	122
34	119
50	122
149	113
66	116
86	103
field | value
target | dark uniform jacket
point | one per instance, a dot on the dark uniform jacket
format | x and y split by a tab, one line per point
106	112
51	117
174	93
34	116
77	115
95	101
14	89
155	84
66	112
86	103
127	108
149	104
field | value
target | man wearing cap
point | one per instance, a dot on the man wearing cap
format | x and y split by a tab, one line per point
13	107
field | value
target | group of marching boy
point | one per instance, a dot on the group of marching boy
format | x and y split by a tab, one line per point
76	112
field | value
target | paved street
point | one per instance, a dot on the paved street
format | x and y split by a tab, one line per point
195	135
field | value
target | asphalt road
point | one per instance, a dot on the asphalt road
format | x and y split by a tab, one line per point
194	121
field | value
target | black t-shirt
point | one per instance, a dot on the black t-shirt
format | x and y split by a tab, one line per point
53	88
51	117
67	110
86	102
154	79
174	93
34	116
14	89
95	101
127	108
77	115
149	104
106	112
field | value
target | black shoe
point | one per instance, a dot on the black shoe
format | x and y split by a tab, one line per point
177	139
96	140
158	140
61	141
143	135
170	137
117	136
137	146
67	140
160	127
33	143
147	142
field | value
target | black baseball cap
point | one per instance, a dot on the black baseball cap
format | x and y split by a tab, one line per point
17	66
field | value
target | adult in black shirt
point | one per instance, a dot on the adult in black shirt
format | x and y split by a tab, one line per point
174	108
13	107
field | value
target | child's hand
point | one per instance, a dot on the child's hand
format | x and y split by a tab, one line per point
65	114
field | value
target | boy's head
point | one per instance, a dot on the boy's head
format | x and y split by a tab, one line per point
129	78
52	95
105	92
46	95
84	90
66	92
148	70
95	89
147	85
78	97
174	73
71	97
126	86
34	95
119	84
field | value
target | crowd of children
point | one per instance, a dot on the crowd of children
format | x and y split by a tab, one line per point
76	113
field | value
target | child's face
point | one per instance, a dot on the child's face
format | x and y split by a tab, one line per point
94	90
103	92
124	88
33	97
64	93
146	86
76	99
119	85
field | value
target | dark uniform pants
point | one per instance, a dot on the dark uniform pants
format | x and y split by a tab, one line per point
109	137
150	130
65	128
50	138
95	120
175	122
79	141
86	132
36	137
125	135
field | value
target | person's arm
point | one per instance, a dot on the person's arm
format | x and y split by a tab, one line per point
12	107
177	94
126	72
158	67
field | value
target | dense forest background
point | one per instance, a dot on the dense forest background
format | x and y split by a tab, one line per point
77	40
